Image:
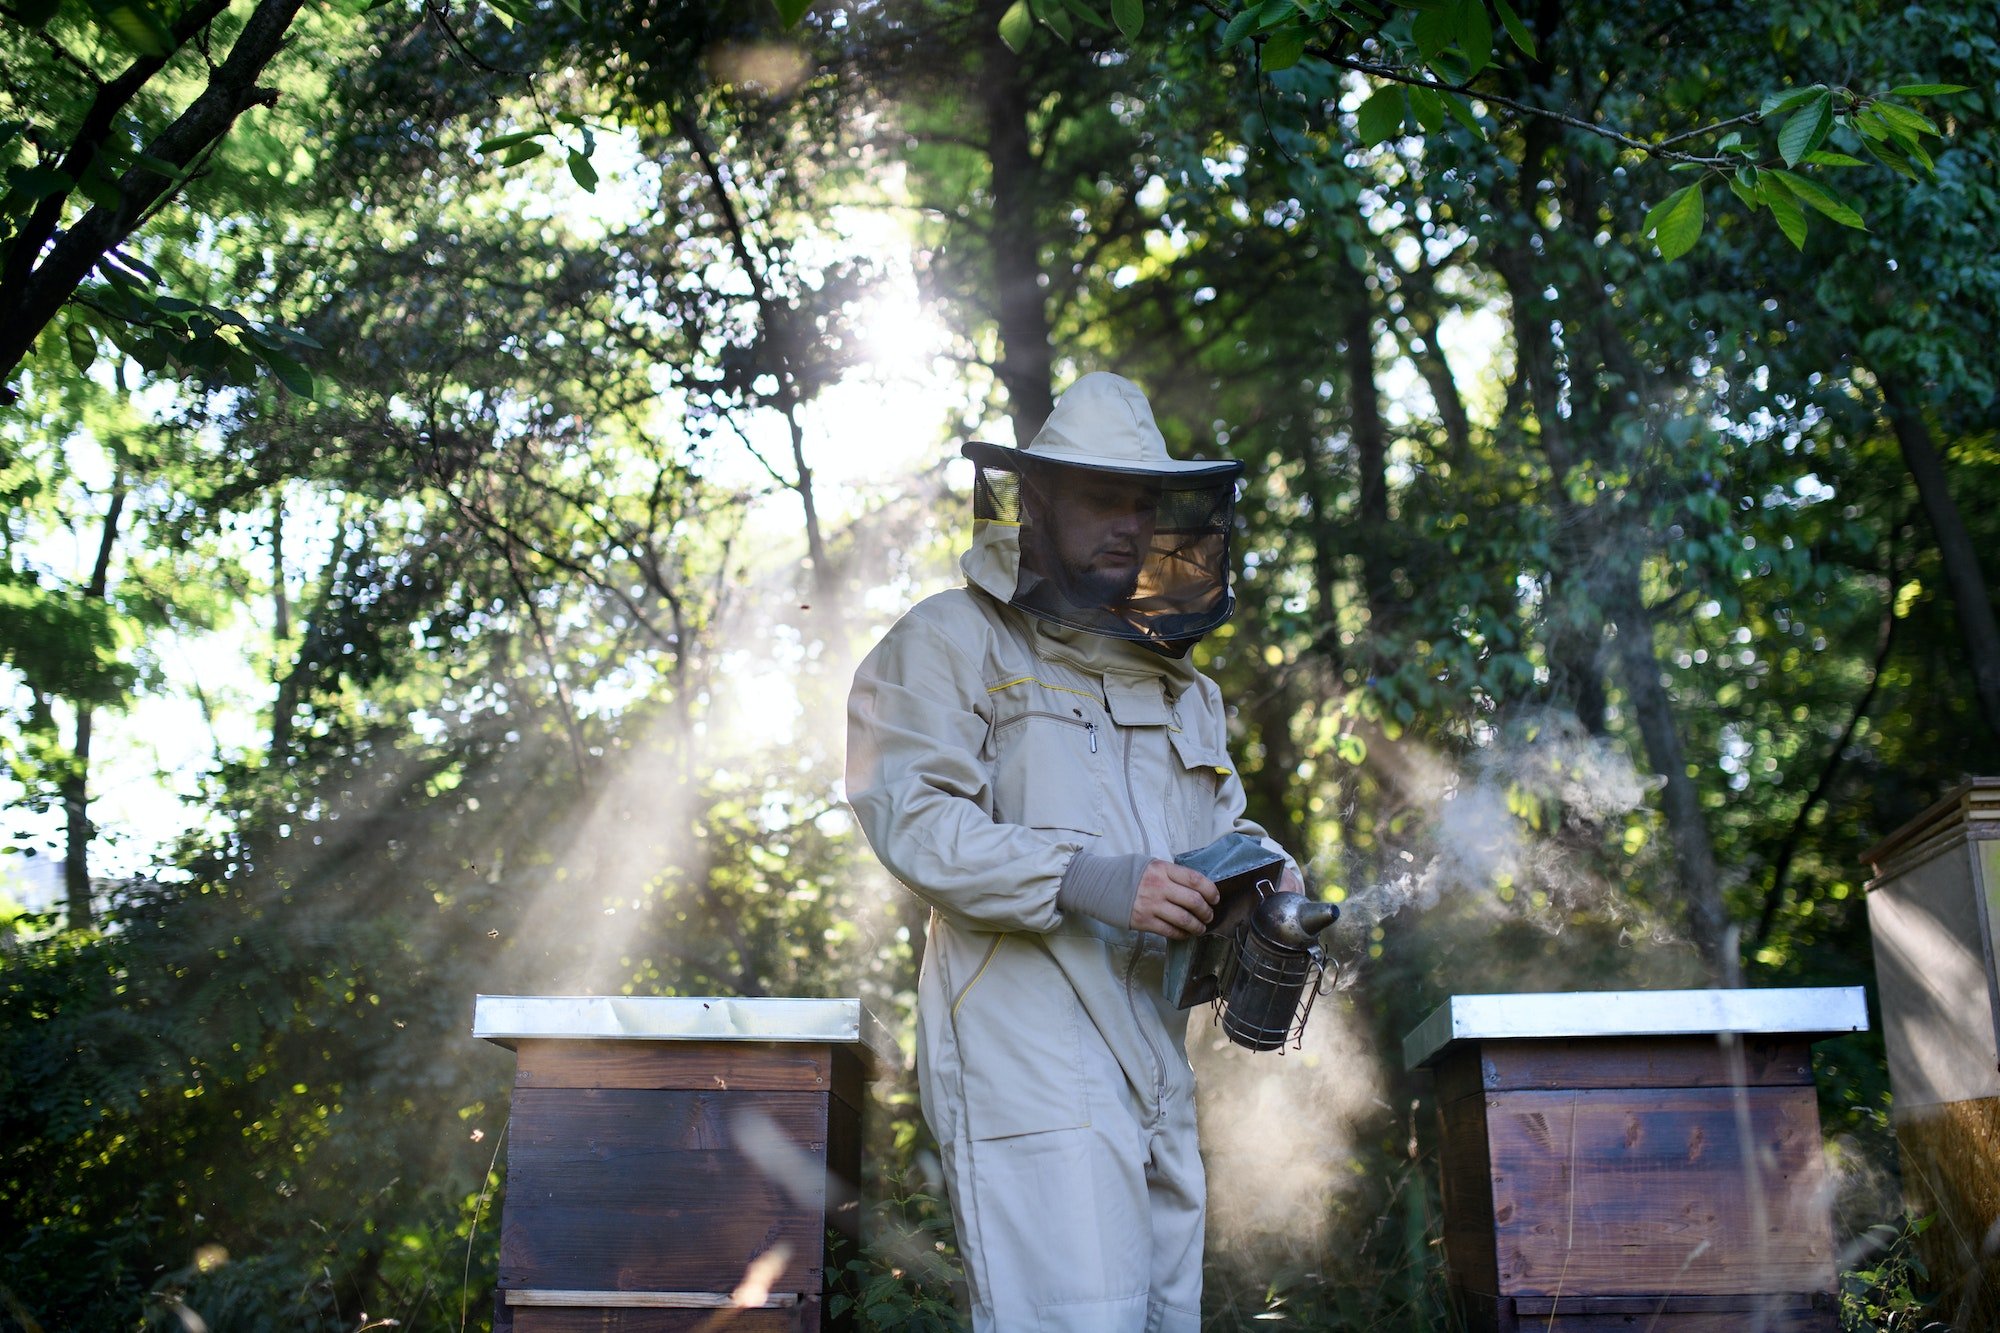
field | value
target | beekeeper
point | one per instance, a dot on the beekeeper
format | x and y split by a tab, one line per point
1028	753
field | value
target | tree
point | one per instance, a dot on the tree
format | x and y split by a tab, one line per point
114	139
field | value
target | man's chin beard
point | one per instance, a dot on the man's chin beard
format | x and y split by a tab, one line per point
1101	587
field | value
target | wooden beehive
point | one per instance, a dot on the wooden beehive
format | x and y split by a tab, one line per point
674	1162
1635	1159
1934	914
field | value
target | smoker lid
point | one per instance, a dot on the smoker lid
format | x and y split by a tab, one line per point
506	1019
1819	1010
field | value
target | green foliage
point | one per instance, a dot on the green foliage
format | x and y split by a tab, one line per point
1889	1292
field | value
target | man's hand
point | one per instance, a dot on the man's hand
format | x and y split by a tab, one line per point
1174	901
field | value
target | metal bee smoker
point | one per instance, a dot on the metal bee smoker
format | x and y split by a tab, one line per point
1260	962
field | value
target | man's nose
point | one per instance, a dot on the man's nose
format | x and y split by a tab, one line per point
1135	517
1132	522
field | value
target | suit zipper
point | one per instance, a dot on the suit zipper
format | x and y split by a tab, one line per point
1063	718
1146	1033
1132	967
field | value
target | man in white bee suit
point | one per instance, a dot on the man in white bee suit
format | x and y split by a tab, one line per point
1028	753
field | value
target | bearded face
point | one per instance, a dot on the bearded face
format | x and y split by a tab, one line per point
1099	528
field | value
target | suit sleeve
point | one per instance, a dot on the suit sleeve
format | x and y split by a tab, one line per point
917	721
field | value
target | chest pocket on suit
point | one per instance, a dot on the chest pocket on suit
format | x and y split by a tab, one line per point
1203	768
1048	754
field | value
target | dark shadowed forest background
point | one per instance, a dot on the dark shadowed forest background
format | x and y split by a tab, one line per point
454	454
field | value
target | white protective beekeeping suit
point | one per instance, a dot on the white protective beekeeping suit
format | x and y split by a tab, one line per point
1018	750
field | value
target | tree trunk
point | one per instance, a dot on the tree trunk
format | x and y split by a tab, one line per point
77	831
1370	438
1962	573
1015	237
75	786
281	633
1680	800
1420	304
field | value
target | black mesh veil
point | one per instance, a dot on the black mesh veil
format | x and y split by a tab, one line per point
1181	589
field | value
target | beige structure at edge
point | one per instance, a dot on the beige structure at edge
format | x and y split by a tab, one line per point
1933	908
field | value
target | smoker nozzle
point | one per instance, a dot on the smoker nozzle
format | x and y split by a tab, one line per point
1293	920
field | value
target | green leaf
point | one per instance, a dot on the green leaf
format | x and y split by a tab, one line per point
1055	16
1791	218
1016	25
521	152
574	6
1432	31
1928	90
1239	27
1474	31
138	27
1917	154
500	141
1745	194
1807	128
1130	16
582	172
82	347
113	261
98	186
1284	48
1450	68
1826	159
1381	116
1822	199
30	187
1272	13
1675	222
1776	104
1461	111
1516	29
1087	13
791	11
1902	118
1428	107
289	372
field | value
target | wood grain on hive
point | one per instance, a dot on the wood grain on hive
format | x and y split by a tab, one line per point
1648	1158
673	1164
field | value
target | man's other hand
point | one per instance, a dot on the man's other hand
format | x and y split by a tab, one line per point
1174	901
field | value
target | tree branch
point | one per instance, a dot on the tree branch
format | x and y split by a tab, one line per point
1774	896
35	294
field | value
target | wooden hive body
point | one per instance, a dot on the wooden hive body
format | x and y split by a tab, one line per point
1671	1180
653	1181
